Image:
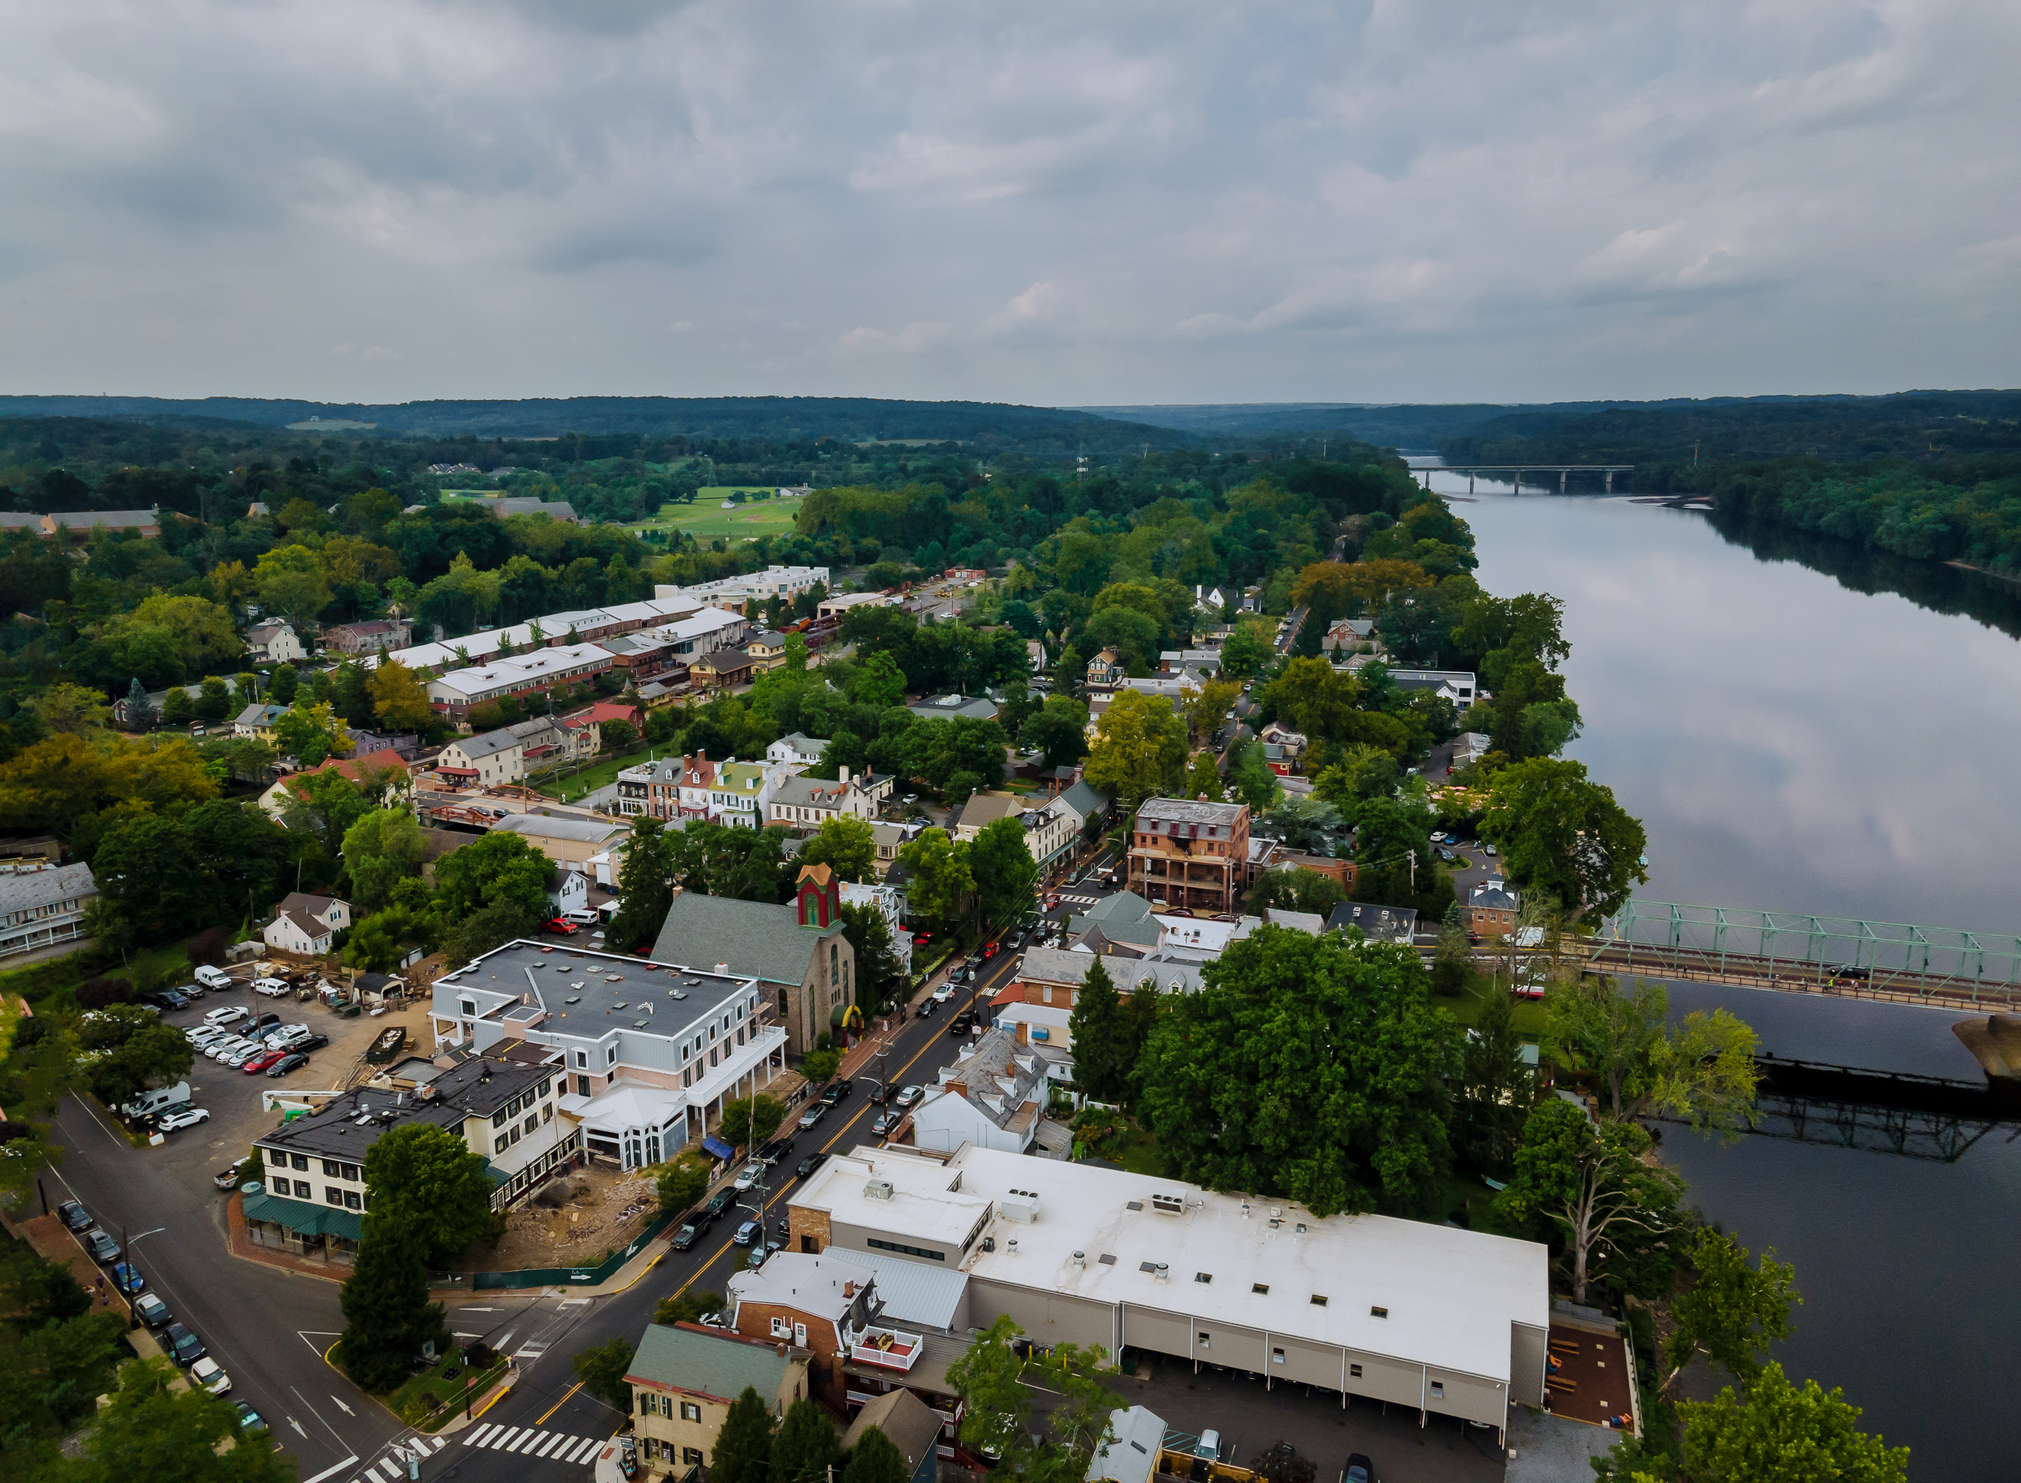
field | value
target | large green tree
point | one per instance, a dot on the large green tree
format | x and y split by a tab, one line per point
1001	862
1591	1182
846	846
387	1315
382	849
1309	1068
126	1049
426	1180
743	1448
1105	1049
805	1448
876	1459
880	974
941	878
1139	749
497	870
1565	836
602	1369
1496	1086
1729	1311
1701	1070
154	1427
1776	1433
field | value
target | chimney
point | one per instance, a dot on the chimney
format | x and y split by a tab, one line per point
1021	1032
723	968
842	776
849	1289
959	1088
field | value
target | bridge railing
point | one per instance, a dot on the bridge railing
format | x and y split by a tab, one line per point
1942	962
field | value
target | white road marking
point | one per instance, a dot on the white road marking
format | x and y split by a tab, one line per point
583	1453
328	1471
504	1440
373	1473
526	1443
342	1407
482	1435
298	1428
553	1442
440	1442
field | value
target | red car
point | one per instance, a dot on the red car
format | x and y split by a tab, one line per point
260	1062
1052	903
989	949
562	927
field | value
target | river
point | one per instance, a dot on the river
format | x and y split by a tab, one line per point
1794	743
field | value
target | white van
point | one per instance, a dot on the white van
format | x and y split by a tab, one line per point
155	1100
213	978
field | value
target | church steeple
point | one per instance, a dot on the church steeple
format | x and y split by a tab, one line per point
820	897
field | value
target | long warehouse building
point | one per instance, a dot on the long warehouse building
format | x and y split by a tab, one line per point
1446	1320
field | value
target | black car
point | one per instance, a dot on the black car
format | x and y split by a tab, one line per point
961	1023
718	1203
838	1091
1359	1469
928	1006
287	1063
309	1042
166	999
809	1164
878	1091
774	1151
184	1347
74	1215
686	1236
255	1025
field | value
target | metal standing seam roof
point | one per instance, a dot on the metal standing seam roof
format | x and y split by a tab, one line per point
303	1218
545	826
910	1292
704	1362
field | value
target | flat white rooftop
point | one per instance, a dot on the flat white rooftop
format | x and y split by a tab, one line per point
1450	1295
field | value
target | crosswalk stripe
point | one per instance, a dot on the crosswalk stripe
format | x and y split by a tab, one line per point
525	1443
550	1444
373	1473
582	1453
439	1443
504	1440
483	1435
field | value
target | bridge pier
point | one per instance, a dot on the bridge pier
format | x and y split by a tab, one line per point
1610	481
1470	482
1563	475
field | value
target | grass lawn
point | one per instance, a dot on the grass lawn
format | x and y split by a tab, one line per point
569	786
1529	1013
431	1388
706	519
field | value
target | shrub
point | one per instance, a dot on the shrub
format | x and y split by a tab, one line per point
96	993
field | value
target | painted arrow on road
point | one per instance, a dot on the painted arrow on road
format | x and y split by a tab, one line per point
298	1428
344	1408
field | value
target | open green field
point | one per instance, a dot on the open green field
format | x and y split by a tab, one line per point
706	519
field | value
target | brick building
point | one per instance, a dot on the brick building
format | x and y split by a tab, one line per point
1190	855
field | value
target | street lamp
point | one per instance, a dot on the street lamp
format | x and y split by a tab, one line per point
126	1250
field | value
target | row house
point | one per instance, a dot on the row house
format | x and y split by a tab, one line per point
455	693
651	789
803	803
377	635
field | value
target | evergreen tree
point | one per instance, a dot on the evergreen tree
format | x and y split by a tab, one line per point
805	1447
1451	957
387	1315
282	684
139	709
743	1451
645	888
1104	1048
876	1460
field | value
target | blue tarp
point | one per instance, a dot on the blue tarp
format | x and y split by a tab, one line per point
716	1148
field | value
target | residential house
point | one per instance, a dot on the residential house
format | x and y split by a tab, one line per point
1491	910
597	714
487	761
684	1378
984	809
912	1426
722	669
796	750
767	651
993	1096
698	782
1105	670
743	793
1035	656
1213	600
651	1052
947	707
797	954
1282	748
1469	747
372	636
652	789
274	642
1190	854
1047	984
453	694
566	841
1376	923
257	721
1050	832
1204	661
386	769
1087	802
314	1194
306	925
802	803
889	839
1350	633
546	740
1455	685
39	907
79	524
823	1304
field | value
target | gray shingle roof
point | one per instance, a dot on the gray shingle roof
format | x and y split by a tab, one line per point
31	888
753	937
489	744
700	1362
1085	798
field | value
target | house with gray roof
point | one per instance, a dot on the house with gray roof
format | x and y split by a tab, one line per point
1048	983
796	749
946	707
993	1096
803	804
570	842
1377	923
485	760
797	954
41	907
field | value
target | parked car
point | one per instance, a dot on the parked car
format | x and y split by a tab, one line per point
177	1122
200	1036
944	993
718	1203
225	1049
229	1014
292	1061
101	1246
1488	848
747	1232
310	1041
191	992
561	927
271	988
758	1254
749	1175
238	1058
927	1007
879	1092
74	1215
166	999
184	1347
886	1121
809	1164
126	1277
256	1064
251	1423
213	978
207	1373
836	1093
813	1115
1359	1469
260	1023
1209	1445
152	1311
580	918
226	1179
960	1024
909	1097
686	1236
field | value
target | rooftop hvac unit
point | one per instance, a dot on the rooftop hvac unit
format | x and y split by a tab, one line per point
1169	1204
877	1189
1019	1206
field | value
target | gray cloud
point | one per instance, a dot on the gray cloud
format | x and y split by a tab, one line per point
1054	203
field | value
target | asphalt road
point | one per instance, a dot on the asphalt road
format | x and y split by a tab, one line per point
547	1399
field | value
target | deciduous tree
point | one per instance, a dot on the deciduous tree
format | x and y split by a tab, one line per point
150	1430
602	1369
1776	1433
1702	1070
1565	836
1729	1311
1139	749
876	1459
752	1121
1001	863
399	697
846	846
387	1315
426	1180
805	1447
880	973
941	879
382	849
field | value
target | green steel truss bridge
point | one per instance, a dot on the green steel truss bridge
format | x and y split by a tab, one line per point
1898	962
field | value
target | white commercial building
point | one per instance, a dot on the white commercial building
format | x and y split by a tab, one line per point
1400	1311
775	581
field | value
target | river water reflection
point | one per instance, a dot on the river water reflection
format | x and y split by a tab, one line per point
1792	744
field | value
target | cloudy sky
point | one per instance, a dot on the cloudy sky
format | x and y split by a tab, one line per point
1051	203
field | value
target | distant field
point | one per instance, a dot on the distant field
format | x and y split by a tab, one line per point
707	520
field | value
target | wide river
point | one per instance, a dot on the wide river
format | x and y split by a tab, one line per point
1793	743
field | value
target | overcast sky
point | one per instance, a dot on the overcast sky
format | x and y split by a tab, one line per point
1049	203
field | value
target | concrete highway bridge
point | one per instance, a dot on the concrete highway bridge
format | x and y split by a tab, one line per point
1563	470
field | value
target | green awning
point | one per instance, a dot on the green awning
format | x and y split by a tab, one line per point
303	1218
496	1175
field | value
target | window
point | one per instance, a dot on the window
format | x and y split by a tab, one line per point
513	1136
581	1058
351	1201
1204	1342
1318	1301
332	1195
1277	1356
582	1086
691	1456
498	1144
1203	1276
690	1411
1260	1287
303	1190
1378	1313
1354	1372
330	1167
547	1112
532	1122
782	1329
301	1161
1438	1390
932	1256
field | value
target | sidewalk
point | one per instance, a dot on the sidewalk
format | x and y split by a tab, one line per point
54	1243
